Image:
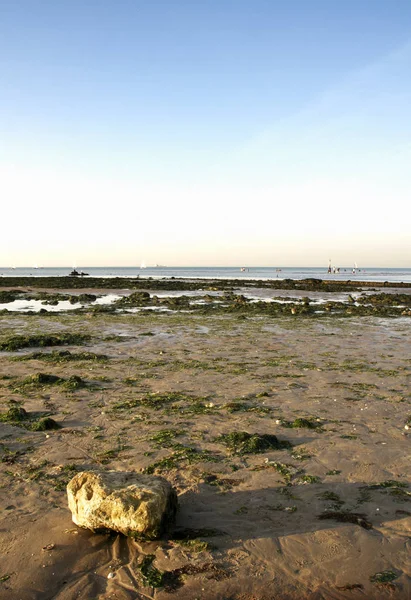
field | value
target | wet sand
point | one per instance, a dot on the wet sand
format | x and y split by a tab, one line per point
249	525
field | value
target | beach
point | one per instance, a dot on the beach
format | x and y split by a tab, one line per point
165	386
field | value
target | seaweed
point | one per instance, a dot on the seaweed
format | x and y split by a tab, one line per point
7	296
383	577
15	414
17	342
285	470
347	517
151	575
180	454
350	586
45	424
63	356
309	479
300	454
242	442
388	483
19	417
43	379
158	400
173	580
194	545
288	509
240	406
223	483
165	437
74	382
303	422
333	498
400	495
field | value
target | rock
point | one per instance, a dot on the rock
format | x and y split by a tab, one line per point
141	506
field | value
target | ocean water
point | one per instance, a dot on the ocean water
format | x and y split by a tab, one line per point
394	275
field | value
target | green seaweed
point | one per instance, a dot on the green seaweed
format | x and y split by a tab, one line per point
383	577
194	545
17	342
74	382
241	406
350	586
15	414
165	437
61	356
242	442
388	483
45	424
303	422
332	497
285	470
310	479
19	417
181	454
151	575
301	454
347	517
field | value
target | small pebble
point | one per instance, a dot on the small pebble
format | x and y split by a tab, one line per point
49	547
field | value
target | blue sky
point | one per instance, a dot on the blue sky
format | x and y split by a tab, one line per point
221	132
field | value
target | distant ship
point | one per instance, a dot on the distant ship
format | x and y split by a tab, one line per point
143	265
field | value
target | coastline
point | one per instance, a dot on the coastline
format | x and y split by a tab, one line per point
255	526
66	282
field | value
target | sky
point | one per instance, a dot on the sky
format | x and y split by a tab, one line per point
220	132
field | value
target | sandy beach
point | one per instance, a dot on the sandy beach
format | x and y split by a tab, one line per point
328	517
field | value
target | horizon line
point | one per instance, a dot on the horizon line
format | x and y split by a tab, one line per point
239	266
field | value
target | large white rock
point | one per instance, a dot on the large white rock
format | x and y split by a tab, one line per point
130	503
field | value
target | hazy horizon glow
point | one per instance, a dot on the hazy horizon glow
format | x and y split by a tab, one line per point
256	134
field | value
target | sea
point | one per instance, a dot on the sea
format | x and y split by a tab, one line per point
394	275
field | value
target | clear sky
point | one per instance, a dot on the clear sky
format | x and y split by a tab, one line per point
220	132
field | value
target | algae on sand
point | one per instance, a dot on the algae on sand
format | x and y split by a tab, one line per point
242	442
16	342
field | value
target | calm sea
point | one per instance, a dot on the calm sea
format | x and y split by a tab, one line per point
361	274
